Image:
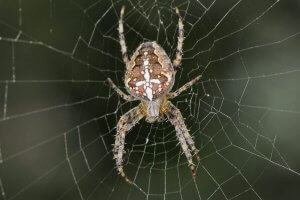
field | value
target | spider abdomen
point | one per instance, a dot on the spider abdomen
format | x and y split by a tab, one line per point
150	74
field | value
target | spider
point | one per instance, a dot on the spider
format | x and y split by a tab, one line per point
149	77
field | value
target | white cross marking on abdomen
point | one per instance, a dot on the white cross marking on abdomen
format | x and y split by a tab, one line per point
149	93
147	82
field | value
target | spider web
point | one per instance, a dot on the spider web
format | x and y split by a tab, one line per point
58	116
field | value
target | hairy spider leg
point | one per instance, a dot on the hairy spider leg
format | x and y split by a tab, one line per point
177	60
186	86
120	92
185	139
126	122
122	37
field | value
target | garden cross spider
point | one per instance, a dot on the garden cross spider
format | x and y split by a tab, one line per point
149	77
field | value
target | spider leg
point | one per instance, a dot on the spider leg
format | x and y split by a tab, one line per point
126	122
177	60
182	133
120	92
184	87
122	37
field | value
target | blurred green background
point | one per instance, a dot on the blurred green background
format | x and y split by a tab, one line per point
58	115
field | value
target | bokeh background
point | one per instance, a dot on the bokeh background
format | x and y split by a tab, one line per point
58	115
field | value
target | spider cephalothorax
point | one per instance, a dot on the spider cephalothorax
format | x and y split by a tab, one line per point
149	77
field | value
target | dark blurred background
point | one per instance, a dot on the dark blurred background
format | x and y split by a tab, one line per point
58	115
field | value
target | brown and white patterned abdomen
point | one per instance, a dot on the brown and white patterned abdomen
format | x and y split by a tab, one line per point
150	74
